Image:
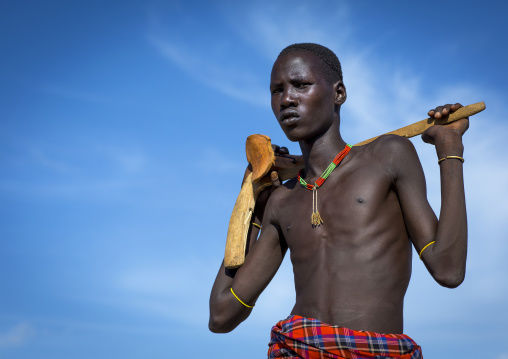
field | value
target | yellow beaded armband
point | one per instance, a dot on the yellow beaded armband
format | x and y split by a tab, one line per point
256	225
425	248
246	305
450	157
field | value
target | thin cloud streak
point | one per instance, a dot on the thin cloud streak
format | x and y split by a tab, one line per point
41	158
17	335
73	94
237	83
161	289
263	28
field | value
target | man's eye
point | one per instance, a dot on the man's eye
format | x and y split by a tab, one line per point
277	90
302	85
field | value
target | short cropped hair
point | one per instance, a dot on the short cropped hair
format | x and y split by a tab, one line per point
330	68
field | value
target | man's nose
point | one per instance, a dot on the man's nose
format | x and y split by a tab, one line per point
288	99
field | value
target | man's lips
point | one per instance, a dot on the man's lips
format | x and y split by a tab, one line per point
288	116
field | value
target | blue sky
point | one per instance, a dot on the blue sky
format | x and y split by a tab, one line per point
122	130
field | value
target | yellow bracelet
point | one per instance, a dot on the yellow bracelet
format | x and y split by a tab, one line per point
447	157
248	306
256	225
425	247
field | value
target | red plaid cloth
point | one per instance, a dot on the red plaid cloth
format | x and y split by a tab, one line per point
299	337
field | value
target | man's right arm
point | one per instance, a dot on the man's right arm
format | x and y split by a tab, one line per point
263	259
442	244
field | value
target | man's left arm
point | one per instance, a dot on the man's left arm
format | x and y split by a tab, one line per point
442	244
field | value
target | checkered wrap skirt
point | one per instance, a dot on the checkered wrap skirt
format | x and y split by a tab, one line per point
299	337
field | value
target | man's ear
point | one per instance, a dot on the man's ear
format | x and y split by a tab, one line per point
340	93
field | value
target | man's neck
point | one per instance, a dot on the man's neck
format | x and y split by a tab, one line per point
319	152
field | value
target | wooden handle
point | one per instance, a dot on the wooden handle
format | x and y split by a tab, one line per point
260	155
239	226
261	158
418	128
239	222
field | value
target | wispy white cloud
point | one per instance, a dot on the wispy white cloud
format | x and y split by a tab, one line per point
236	82
62	172
217	162
164	289
17	335
124	159
67	92
101	190
262	29
270	27
41	158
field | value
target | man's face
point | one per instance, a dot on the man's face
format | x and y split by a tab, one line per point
303	101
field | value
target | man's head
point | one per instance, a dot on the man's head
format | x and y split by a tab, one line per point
330	64
307	91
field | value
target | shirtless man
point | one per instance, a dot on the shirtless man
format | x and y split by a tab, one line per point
351	271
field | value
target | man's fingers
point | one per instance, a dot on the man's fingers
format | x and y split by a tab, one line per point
274	176
442	111
455	107
284	151
280	150
437	112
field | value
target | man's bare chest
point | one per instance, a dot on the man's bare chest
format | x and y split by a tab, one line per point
349	201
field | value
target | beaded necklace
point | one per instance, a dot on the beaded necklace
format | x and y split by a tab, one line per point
316	219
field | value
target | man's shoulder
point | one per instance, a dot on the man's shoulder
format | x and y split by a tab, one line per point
391	142
390	148
391	154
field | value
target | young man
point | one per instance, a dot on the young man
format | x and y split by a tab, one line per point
348	235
